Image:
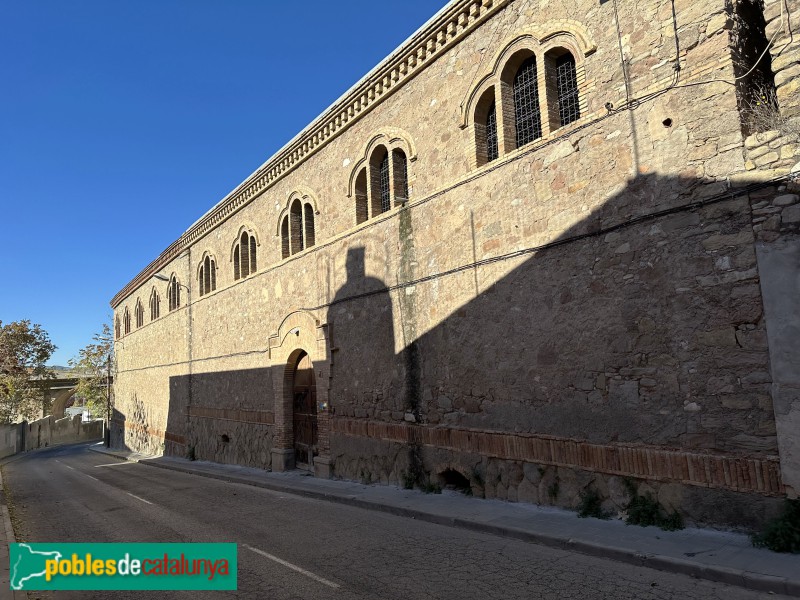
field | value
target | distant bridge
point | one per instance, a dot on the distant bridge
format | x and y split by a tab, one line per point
56	393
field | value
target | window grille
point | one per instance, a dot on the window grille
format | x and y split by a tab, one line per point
491	134
400	175
383	170
139	314
526	103
244	255
155	305
296	225
285	238
308	222
567	86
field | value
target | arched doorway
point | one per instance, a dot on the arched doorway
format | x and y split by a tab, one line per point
304	407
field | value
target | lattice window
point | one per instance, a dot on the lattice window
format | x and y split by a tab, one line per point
244	256
174	293
139	313
400	175
155	305
285	250
385	190
567	86
208	275
308	225
491	134
527	111
126	322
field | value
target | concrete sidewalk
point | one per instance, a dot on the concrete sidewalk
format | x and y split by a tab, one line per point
714	555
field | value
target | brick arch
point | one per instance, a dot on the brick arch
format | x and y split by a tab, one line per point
300	331
567	33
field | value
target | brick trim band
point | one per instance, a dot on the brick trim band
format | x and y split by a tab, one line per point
151	431
738	473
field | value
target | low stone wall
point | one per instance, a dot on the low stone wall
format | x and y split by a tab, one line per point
11	439
69	430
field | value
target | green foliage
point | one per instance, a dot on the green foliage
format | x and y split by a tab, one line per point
646	510
430	487
783	533
408	480
93	367
591	505
24	350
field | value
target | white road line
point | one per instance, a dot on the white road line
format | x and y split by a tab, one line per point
90	477
115	464
65	464
137	497
280	561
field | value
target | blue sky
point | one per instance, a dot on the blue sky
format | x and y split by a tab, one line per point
122	122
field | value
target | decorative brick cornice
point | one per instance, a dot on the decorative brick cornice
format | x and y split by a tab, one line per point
455	21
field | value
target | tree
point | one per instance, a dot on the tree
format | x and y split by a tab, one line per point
24	350
93	368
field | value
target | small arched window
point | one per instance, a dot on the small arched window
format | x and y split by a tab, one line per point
155	305
400	175
308	224
566	87
491	133
244	256
362	209
385	189
139	313
285	247
174	293
296	226
208	275
116	327
126	322
527	112
485	124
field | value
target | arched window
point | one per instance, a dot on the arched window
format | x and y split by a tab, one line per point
296	226
362	210
308	224
400	175
285	248
126	321
244	256
116	327
562	79
174	293
139	313
491	133
155	305
527	112
384	185
208	275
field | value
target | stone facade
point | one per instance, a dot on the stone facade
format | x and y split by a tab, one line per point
615	300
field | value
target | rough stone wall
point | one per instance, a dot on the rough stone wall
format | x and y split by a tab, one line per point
636	327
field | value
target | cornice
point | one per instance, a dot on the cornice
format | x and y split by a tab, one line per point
454	22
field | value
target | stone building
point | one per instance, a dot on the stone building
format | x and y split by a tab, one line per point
541	248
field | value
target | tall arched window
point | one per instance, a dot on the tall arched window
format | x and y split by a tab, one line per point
155	305
527	112
362	208
139	313
566	84
116	327
126	321
308	224
491	133
384	185
296	226
285	247
244	256
208	275
174	293
400	175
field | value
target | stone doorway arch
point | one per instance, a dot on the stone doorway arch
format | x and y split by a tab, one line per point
301	345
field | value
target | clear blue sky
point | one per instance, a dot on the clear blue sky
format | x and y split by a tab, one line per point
123	121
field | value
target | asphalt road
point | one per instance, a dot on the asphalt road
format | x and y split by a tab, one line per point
299	548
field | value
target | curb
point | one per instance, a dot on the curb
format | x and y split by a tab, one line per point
7	534
719	574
